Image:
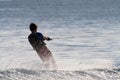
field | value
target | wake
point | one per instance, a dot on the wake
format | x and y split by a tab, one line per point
93	74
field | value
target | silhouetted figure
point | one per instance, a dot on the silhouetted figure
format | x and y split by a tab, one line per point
37	39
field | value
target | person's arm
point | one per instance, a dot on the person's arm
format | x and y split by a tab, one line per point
47	38
41	36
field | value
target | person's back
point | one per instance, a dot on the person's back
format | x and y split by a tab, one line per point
36	40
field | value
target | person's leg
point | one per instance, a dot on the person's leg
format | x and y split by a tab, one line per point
53	62
51	58
46	64
46	56
42	52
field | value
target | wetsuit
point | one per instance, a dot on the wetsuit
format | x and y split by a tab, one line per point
36	40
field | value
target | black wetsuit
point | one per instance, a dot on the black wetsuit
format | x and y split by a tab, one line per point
36	40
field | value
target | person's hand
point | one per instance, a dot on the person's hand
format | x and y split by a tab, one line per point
48	39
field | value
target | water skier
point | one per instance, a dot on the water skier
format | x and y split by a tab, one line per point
37	39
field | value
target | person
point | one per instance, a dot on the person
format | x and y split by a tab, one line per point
36	39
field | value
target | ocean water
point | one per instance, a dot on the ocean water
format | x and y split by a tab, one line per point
85	45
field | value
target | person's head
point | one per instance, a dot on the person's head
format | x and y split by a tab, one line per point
33	27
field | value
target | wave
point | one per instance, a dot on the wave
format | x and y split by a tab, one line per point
93	74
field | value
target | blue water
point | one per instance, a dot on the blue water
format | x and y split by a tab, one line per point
85	45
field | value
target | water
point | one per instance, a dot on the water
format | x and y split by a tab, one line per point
85	41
